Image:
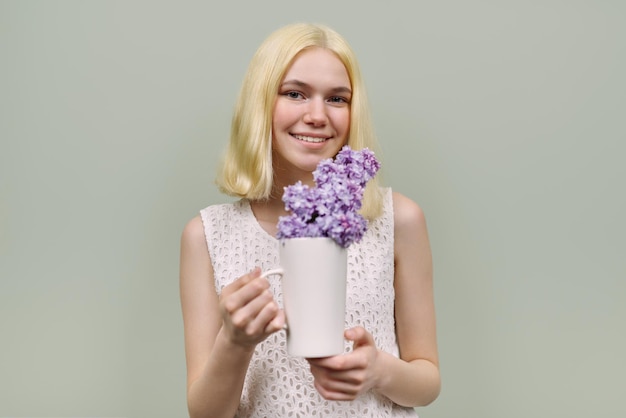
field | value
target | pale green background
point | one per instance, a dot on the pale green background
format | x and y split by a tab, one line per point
503	119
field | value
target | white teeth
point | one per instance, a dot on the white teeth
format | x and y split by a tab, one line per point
308	138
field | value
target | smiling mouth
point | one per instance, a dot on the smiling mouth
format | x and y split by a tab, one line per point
309	138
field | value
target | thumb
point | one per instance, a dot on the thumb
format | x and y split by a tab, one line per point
359	336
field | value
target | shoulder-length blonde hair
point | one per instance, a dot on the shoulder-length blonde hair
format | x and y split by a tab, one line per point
246	170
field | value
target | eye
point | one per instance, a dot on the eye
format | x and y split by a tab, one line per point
293	94
338	100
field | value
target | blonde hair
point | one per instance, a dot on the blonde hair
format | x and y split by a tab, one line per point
246	170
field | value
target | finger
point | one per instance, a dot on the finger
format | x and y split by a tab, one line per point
241	281
337	363
254	289
336	391
322	362
245	295
268	320
246	314
263	322
277	322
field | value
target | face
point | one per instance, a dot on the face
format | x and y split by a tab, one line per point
311	119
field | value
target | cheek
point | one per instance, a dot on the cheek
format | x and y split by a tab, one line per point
341	120
283	114
277	113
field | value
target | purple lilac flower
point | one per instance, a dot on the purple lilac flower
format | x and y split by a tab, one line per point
330	209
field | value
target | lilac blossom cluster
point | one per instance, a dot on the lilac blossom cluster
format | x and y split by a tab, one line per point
331	208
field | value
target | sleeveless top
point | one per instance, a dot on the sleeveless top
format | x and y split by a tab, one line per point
276	384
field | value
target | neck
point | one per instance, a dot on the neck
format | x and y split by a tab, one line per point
268	211
284	178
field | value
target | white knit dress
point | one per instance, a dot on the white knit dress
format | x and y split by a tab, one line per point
278	385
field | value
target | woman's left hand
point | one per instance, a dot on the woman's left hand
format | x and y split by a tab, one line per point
345	377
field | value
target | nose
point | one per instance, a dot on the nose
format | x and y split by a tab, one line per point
316	112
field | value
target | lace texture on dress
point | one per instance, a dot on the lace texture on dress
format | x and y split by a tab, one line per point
276	384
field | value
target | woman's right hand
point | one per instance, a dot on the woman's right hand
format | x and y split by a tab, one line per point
249	312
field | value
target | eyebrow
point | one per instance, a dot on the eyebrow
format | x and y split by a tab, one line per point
302	84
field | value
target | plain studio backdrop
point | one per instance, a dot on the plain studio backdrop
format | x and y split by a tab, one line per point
504	120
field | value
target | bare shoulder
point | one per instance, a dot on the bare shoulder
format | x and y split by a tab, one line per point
193	245
407	213
193	234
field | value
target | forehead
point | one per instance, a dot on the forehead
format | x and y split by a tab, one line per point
318	64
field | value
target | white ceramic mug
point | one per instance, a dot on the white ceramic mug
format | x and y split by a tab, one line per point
313	274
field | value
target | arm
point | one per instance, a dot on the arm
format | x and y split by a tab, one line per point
220	333
413	379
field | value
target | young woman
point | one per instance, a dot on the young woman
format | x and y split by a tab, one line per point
301	101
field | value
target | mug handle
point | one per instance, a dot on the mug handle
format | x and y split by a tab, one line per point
278	271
